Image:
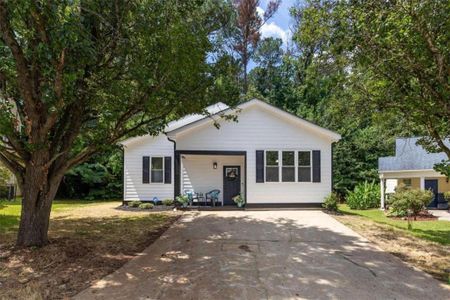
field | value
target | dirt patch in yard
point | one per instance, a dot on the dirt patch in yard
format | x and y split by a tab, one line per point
428	256
85	245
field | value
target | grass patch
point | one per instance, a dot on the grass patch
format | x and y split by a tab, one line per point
436	231
88	240
426	246
426	255
10	211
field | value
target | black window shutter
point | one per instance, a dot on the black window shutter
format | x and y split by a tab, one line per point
316	165
146	169
259	165
167	169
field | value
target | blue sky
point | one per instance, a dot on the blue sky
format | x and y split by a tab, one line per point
279	25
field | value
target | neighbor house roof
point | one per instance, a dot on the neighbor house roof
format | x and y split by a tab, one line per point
255	102
409	157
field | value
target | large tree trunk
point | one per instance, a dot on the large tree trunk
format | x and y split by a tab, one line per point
38	191
245	65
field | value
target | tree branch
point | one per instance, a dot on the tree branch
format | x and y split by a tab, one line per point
21	62
14	167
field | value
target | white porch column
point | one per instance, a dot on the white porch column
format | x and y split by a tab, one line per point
383	190
422	183
181	183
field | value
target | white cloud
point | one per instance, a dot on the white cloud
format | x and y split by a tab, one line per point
271	29
260	11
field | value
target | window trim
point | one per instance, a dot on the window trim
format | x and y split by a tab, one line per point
163	169
265	166
283	165
407	185
310	166
280	165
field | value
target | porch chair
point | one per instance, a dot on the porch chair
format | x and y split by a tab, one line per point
214	197
191	196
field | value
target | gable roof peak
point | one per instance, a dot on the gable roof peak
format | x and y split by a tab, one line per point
269	107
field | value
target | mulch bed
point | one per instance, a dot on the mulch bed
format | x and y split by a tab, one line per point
155	208
422	216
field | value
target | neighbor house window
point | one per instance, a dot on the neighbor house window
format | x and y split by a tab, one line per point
272	166
407	183
157	170
304	166
288	168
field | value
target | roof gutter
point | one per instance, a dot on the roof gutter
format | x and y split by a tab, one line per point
173	141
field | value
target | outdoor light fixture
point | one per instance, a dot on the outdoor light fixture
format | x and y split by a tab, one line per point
214	165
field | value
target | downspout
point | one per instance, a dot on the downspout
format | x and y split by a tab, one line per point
332	169
176	167
123	174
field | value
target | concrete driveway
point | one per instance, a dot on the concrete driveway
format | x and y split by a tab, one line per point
264	255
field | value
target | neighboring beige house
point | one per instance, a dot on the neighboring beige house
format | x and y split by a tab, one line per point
413	166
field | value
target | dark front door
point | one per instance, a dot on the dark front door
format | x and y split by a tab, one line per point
432	184
231	183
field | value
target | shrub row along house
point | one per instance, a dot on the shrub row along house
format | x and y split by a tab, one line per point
267	155
412	166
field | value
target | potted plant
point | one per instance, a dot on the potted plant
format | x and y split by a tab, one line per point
183	200
239	200
447	196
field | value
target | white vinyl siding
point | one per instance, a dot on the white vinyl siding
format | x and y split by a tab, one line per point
150	146
260	129
199	175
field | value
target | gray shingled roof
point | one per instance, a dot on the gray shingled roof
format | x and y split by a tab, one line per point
409	156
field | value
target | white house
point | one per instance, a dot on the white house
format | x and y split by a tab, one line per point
268	155
412	166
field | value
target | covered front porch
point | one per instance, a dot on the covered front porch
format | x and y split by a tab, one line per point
423	179
210	178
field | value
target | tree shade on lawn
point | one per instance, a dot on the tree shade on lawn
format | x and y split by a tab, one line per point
78	76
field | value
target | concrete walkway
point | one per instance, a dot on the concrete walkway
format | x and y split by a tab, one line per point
443	215
264	255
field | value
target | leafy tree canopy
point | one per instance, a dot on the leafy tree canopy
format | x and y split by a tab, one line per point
77	76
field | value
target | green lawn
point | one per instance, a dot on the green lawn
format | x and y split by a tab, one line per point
437	231
10	211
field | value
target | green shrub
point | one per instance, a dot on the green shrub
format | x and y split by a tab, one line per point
168	202
412	201
146	205
331	202
365	195
134	203
239	200
447	196
183	200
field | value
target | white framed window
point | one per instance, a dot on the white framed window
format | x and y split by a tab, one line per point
288	166
272	166
304	166
157	169
407	182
